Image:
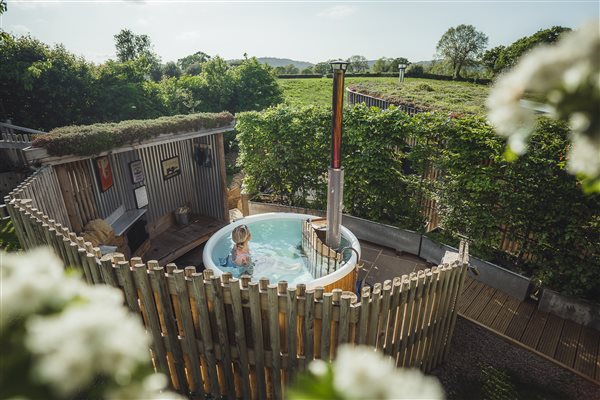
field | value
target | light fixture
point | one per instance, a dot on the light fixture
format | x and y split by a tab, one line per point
339	65
401	68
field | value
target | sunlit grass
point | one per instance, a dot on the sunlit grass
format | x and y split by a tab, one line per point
422	93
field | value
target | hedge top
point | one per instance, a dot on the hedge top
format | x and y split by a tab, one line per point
87	140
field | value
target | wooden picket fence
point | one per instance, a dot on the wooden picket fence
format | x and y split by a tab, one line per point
241	339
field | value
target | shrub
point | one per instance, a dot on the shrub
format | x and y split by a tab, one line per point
286	151
415	70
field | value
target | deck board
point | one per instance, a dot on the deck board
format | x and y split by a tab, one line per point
493	307
549	339
567	344
598	363
562	341
469	294
519	321
480	302
535	328
587	351
505	315
178	240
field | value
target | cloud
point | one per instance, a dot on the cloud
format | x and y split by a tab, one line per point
187	35
20	30
337	12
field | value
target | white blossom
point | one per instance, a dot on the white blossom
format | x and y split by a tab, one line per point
94	336
566	76
363	373
32	281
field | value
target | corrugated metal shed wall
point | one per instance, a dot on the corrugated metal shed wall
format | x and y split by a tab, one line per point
110	200
197	186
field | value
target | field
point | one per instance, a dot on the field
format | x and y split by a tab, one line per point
422	93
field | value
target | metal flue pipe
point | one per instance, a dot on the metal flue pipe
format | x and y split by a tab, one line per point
335	186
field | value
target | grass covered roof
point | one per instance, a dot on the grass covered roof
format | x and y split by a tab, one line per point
87	140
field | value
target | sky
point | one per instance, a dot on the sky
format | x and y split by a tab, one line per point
310	31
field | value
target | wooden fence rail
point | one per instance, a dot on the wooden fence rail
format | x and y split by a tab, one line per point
242	339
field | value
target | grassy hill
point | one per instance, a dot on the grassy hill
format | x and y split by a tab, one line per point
431	94
282	62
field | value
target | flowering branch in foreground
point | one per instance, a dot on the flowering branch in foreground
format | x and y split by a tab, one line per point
360	372
61	338
565	77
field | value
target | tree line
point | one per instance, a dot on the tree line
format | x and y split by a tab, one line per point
461	53
45	87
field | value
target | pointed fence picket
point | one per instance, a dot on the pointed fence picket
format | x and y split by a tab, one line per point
240	339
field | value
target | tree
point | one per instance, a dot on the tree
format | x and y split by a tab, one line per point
192	64
291	69
255	86
171	70
461	46
137	49
219	84
490	58
358	64
131	46
393	63
3	8
43	87
509	56
307	71
381	65
322	68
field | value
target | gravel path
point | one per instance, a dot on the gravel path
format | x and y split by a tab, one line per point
474	348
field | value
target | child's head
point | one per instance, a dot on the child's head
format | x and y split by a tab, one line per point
240	234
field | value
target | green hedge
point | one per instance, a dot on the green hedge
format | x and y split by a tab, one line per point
285	151
93	139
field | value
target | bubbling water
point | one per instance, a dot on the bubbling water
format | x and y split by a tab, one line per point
275	249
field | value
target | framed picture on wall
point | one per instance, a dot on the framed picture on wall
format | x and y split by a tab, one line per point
137	171
170	167
104	173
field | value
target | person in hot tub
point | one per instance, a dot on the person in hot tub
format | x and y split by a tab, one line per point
239	262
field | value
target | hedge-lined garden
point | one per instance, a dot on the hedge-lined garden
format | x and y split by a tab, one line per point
285	152
93	139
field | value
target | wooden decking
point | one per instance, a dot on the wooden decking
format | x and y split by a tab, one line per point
178	240
569	344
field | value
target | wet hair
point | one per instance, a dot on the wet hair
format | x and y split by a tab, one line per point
240	234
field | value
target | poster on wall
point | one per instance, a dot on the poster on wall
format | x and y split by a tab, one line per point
104	173
141	197
170	167
137	171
